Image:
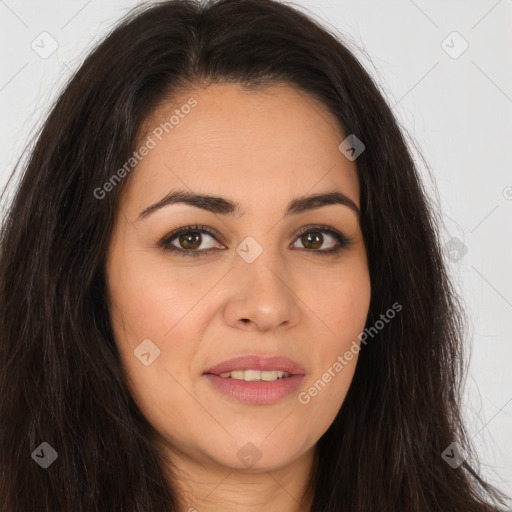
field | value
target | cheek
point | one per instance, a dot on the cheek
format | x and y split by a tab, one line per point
169	307
148	317
150	300
343	311
342	303
146	309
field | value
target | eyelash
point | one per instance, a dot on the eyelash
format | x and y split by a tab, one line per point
165	242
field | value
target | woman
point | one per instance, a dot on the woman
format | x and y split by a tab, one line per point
222	285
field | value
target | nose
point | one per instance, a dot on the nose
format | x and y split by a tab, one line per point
262	296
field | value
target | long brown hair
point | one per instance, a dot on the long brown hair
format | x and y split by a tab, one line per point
61	380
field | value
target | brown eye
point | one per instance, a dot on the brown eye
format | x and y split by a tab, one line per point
191	240
313	238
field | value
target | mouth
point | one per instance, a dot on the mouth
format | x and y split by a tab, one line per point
253	368
256	380
256	375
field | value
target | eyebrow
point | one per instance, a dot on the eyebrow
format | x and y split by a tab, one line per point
222	206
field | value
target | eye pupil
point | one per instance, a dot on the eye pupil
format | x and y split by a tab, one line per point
188	238
313	237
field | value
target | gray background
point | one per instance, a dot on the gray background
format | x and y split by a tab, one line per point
457	107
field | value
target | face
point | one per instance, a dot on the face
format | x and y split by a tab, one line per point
260	280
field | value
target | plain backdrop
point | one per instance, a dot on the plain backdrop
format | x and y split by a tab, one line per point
444	67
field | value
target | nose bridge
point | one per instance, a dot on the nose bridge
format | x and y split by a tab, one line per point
262	287
260	265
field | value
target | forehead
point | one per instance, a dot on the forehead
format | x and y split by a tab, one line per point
272	144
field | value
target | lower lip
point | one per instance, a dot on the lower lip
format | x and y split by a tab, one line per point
256	393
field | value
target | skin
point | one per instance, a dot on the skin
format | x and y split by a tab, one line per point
261	149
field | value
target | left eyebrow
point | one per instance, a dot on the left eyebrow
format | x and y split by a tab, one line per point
223	206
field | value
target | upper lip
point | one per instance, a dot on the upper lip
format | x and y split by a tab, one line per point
253	362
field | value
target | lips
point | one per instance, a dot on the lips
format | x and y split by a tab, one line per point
255	393
253	362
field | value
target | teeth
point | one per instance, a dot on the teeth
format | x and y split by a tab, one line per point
256	375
